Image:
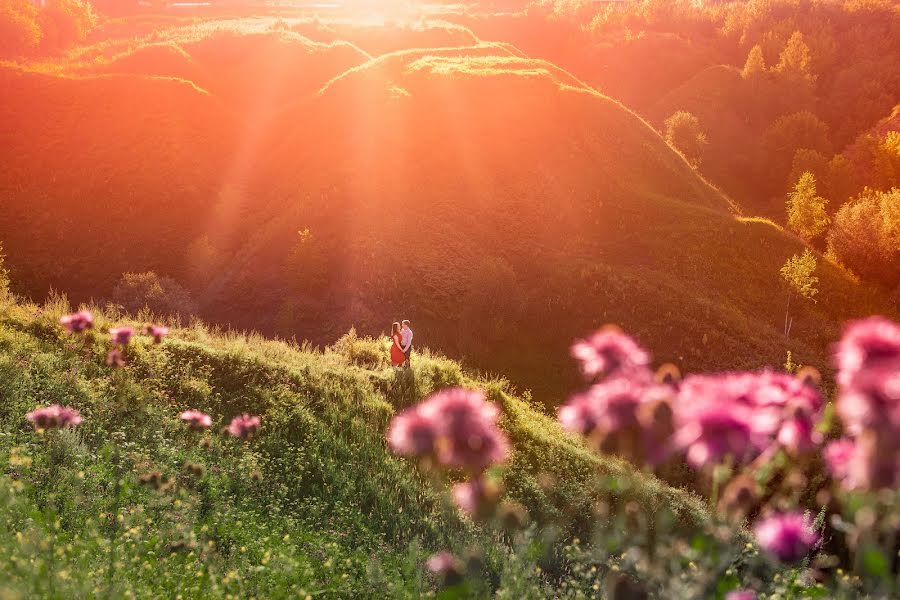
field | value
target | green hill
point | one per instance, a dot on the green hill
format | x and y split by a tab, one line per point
314	503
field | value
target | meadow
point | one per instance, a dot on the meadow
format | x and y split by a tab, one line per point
650	251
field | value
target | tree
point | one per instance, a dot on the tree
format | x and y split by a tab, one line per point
789	134
683	133
755	63
794	61
865	236
806	209
20	33
797	272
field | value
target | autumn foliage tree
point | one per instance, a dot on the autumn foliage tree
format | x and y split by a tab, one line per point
683	132
797	273
806	209
865	236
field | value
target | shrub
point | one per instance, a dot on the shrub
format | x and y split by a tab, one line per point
20	34
4	274
683	133
865	236
806	209
161	295
364	352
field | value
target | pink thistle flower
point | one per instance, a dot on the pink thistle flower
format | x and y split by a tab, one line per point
609	351
411	433
54	417
121	336
477	497
607	406
715	416
841	457
771	389
115	358
77	322
157	332
866	343
788	536
467	432
467	496
447	566
195	419
868	361
798	436
243	426
741	595
455	426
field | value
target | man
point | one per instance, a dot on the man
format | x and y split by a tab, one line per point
406	337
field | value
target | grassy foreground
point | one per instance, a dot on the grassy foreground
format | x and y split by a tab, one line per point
314	505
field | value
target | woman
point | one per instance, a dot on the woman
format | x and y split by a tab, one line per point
397	356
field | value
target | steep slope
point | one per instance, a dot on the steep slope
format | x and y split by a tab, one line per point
99	175
317	482
494	198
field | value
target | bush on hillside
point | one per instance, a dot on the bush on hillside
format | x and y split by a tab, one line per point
683	132
365	352
161	295
65	23
4	274
20	34
865	236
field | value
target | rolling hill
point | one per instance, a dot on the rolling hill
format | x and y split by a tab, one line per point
496	200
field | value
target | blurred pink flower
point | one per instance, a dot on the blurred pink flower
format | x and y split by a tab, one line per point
115	358
243	426
788	536
446	566
715	416
477	497
54	417
196	419
840	457
868	361
771	389
741	595
121	336
77	322
157	332
467	496
411	433
609	351
866	343
607	406
456	426
798	436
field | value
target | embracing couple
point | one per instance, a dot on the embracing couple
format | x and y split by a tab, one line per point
401	344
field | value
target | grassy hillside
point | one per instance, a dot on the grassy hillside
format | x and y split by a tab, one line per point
315	504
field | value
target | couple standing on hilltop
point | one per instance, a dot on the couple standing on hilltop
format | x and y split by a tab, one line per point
401	344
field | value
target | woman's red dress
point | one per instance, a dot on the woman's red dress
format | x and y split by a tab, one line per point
397	356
